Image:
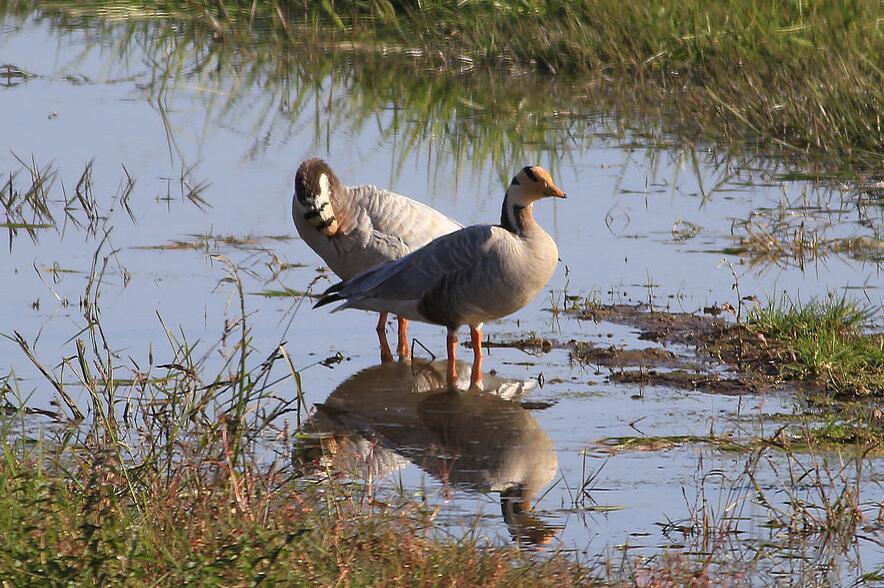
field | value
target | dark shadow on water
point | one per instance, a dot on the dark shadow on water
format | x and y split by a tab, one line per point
389	415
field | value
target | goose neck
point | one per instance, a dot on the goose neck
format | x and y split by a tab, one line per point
517	216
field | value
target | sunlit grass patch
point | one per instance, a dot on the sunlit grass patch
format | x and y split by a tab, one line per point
205	522
804	76
833	346
824	341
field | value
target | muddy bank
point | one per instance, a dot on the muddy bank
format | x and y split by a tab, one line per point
700	350
714	355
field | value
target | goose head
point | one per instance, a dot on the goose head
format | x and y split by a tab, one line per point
315	183
530	184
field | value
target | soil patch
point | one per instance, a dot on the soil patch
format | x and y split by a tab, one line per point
687	380
751	358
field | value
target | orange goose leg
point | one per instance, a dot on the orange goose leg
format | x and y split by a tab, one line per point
476	341
402	348
386	356
452	358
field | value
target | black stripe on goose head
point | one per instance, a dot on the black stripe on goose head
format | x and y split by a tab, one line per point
530	173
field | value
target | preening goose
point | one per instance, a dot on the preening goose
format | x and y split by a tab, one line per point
356	228
476	274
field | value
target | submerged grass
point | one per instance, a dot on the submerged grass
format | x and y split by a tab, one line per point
31	201
806	77
799	233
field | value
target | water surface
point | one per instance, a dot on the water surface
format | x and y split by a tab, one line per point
212	138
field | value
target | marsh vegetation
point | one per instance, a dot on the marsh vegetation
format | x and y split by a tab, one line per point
802	80
699	391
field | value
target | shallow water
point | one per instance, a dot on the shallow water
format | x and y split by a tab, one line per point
100	95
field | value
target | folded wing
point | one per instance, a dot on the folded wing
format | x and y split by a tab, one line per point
394	225
434	281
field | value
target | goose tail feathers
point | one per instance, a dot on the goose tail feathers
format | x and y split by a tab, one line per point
331	295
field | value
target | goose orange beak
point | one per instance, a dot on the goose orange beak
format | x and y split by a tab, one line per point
555	191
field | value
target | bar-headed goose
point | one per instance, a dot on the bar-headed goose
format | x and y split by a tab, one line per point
476	274
356	228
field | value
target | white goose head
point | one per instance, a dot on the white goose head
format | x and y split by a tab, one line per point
315	183
529	185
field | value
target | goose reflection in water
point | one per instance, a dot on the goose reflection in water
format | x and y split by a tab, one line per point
389	415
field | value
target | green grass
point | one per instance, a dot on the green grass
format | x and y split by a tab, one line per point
801	79
175	468
232	528
803	75
207	524
824	342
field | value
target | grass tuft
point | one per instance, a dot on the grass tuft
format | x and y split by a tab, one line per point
209	524
824	341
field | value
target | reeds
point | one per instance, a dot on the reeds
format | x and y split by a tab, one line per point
800	80
804	76
175	468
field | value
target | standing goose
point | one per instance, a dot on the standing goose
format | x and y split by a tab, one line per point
476	274
356	228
